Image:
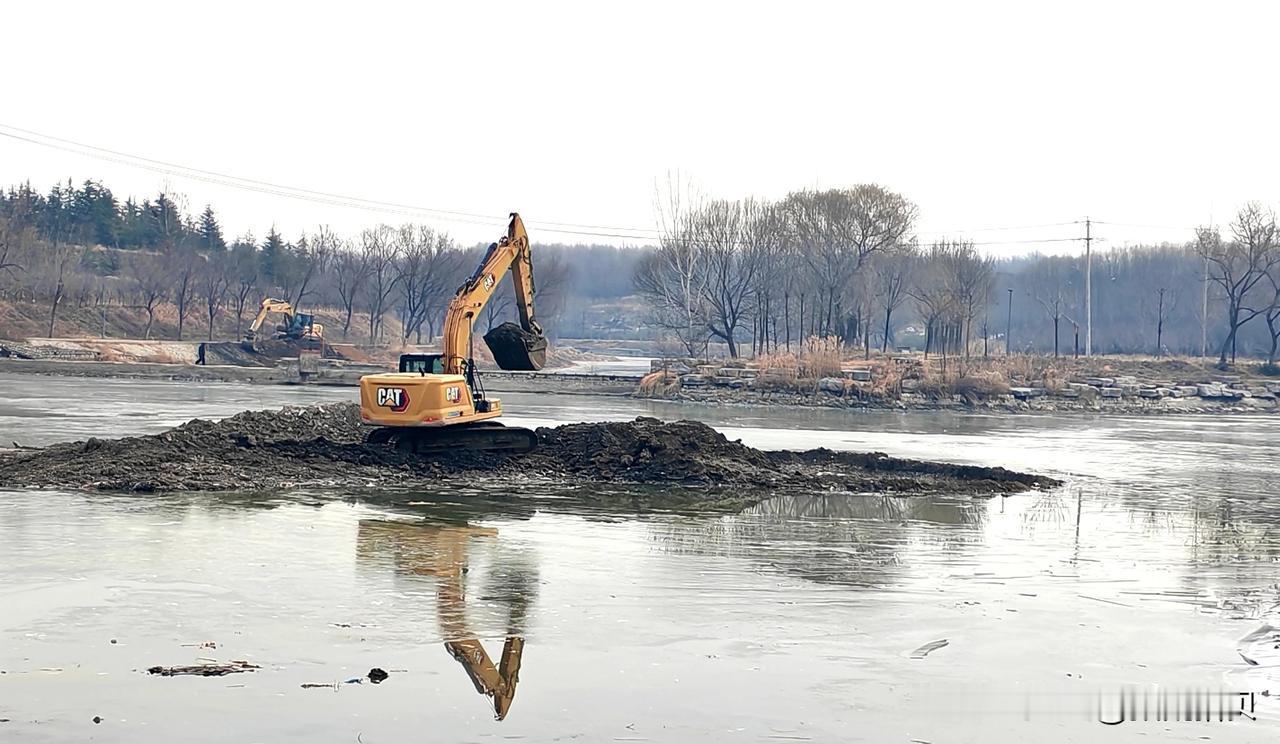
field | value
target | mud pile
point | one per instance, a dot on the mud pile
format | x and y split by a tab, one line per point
323	446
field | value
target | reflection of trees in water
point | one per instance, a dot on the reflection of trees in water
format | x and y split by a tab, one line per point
855	540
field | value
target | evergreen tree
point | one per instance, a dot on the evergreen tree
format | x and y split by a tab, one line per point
95	215
166	221
273	255
209	232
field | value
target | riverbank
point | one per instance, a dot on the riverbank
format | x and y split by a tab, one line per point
1037	403
1099	385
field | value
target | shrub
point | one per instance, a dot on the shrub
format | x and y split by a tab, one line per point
981	386
658	384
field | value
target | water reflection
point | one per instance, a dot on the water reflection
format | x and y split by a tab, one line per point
443	552
834	538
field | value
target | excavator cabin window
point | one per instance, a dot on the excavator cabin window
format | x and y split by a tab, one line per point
422	364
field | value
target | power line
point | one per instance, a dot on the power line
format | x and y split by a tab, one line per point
448	215
295	192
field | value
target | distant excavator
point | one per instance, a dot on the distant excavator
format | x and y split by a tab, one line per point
435	402
440	551
296	326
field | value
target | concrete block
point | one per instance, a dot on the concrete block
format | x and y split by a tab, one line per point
1109	392
1024	393
831	385
1210	390
693	381
860	375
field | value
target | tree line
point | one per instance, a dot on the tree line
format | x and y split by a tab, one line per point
846	263
80	245
751	275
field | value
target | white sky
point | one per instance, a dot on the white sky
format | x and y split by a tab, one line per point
985	114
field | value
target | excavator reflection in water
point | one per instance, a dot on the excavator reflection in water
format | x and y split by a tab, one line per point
441	551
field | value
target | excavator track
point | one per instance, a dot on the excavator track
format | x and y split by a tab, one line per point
482	436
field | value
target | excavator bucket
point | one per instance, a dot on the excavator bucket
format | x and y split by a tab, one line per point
514	348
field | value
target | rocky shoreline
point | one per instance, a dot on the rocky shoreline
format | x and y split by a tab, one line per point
865	389
1004	404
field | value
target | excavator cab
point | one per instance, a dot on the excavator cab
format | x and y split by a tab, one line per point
422	364
300	325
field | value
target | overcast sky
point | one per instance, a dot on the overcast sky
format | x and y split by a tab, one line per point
987	115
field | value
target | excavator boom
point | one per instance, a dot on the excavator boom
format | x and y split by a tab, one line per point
521	347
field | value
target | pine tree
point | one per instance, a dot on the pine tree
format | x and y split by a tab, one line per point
273	254
167	221
209	232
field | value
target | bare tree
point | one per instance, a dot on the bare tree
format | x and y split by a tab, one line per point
1273	314
836	230
892	274
184	269
215	281
149	276
424	271
969	279
57	261
245	273
933	299
15	239
671	277
381	250
307	261
1048	289
1238	266
350	271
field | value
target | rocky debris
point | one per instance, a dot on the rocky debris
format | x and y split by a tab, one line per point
204	670
323	446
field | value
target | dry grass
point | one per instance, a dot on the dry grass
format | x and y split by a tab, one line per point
658	384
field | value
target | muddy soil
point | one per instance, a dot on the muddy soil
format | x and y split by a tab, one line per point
323	446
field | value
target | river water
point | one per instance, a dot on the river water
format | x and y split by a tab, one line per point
794	620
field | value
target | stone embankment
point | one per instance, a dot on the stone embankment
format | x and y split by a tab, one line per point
864	388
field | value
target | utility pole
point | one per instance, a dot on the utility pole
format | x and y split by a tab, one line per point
1008	327
1088	287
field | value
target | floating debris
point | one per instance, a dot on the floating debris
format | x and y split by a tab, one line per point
204	670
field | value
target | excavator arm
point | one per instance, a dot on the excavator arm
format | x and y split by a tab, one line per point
270	305
522	347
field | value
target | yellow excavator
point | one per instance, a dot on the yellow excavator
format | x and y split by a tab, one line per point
296	326
440	551
435	402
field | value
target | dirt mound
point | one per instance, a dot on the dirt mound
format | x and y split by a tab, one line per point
649	450
324	446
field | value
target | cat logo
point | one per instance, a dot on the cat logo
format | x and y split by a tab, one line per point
488	281
397	399
453	393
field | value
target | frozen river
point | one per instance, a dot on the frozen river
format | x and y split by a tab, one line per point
794	620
